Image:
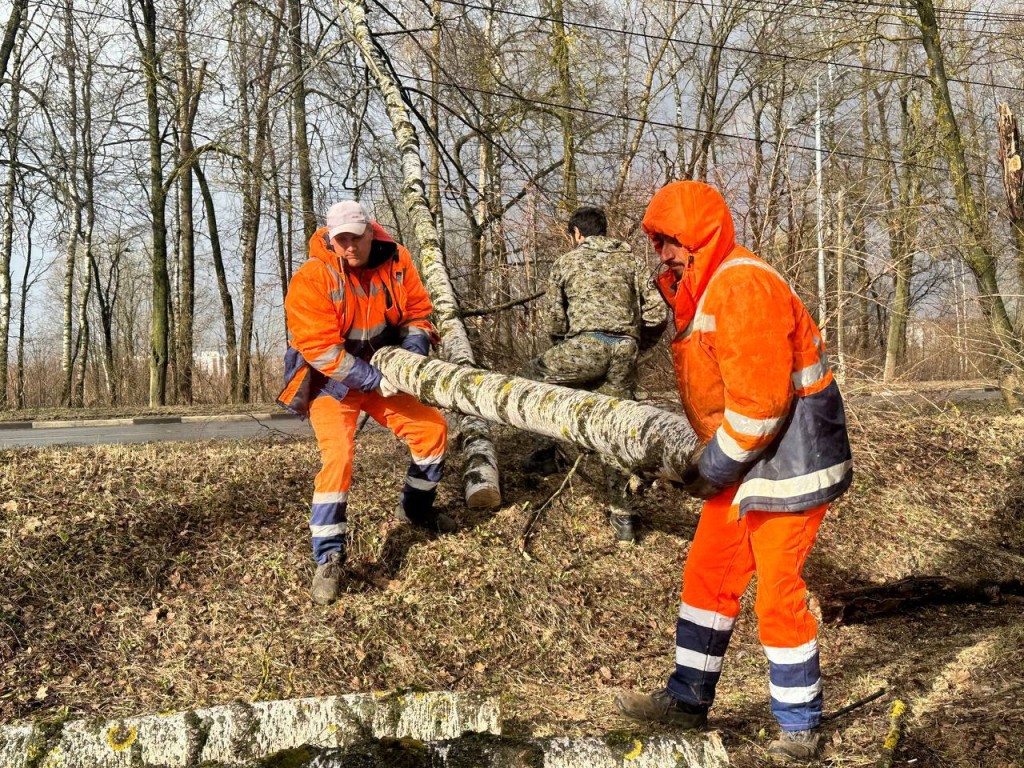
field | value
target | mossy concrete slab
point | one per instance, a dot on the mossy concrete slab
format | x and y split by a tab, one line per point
241	734
697	750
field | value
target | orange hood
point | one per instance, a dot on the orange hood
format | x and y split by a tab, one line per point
697	216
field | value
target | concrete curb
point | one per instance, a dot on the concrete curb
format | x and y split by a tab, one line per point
481	751
240	734
122	422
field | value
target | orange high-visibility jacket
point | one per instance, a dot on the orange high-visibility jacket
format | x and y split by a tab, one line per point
750	363
337	321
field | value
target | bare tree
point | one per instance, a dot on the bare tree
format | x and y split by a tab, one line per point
142	15
1006	343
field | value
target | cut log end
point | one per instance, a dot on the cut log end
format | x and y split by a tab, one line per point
483	497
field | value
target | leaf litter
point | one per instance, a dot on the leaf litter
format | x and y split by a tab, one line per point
171	576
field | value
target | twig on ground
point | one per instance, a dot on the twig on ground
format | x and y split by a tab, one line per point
524	539
856	705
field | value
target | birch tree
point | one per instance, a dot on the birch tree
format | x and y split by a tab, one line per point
481	474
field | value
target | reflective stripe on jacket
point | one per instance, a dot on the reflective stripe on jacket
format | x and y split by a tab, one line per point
750	363
337	318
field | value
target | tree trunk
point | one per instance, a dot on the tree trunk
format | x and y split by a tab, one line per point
434	171
145	38
19	390
73	207
252	189
481	474
190	86
299	117
560	62
642	438
226	303
979	259
10	184
19	9
1012	164
82	343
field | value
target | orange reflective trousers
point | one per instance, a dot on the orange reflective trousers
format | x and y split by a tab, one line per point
722	559
423	429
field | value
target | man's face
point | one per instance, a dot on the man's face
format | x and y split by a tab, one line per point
354	250
671	253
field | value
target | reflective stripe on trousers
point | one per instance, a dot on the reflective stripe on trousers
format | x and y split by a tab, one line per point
420	426
722	559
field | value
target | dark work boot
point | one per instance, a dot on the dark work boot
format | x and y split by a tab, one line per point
436	522
661	707
795	748
327	579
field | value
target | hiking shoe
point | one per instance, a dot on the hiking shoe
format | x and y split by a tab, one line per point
327	578
624	526
661	707
795	748
436	522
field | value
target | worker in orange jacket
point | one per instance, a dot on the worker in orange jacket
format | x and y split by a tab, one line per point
757	388
359	291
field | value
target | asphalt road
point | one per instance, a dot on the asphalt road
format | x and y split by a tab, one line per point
238	426
148	430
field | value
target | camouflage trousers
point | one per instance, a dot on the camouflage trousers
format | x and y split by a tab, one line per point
591	361
597	363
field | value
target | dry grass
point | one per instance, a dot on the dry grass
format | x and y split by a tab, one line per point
163	577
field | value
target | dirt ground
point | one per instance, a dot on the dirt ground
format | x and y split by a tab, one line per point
168	576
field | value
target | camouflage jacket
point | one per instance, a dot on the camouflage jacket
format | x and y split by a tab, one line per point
601	286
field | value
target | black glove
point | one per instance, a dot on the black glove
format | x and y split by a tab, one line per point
694	483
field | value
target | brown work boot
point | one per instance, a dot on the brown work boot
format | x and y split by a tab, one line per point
327	579
661	707
795	748
436	522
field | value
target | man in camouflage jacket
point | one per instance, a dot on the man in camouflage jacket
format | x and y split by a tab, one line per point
601	310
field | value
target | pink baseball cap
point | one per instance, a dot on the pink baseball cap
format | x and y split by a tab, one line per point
347	216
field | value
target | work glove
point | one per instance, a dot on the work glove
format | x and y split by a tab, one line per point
387	389
416	342
694	483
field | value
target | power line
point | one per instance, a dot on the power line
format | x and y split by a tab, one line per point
688	129
731	48
628	118
643	35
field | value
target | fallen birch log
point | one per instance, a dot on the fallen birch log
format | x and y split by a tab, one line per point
642	438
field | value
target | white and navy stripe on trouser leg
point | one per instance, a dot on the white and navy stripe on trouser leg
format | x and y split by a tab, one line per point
421	485
701	639
328	524
795	686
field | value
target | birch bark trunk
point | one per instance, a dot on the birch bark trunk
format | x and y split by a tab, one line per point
640	437
481	473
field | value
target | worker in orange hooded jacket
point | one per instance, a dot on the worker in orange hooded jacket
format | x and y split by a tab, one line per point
358	291
757	388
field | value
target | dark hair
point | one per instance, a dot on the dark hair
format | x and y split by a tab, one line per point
589	221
